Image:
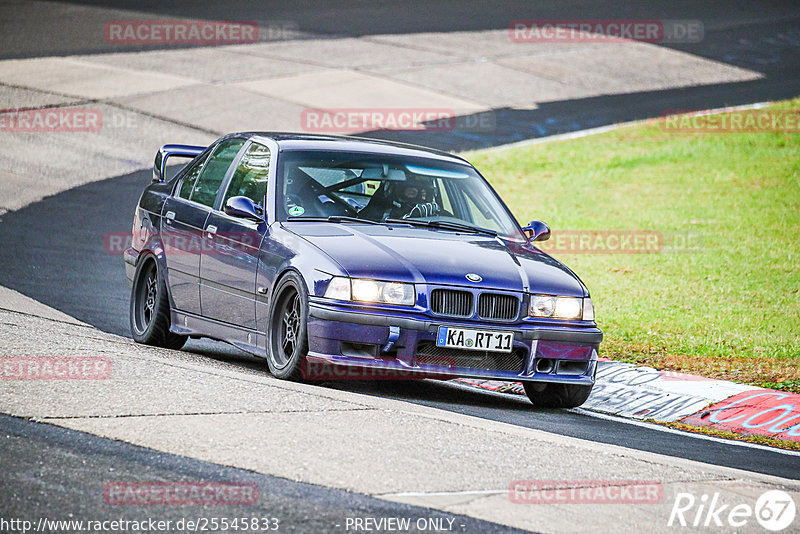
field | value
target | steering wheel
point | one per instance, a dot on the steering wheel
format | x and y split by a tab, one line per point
311	192
423	209
351	211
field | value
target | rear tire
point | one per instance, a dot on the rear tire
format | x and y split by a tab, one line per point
149	309
550	395
287	333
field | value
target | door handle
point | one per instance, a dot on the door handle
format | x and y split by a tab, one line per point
170	216
212	230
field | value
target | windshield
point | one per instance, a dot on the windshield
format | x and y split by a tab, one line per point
377	187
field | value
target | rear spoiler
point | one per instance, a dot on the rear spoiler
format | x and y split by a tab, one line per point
168	151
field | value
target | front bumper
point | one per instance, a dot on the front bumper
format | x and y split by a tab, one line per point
347	343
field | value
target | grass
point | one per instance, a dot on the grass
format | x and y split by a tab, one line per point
721	299
751	438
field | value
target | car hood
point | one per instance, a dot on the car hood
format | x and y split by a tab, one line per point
441	257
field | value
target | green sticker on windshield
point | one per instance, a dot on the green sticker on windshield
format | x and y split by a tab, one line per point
296	211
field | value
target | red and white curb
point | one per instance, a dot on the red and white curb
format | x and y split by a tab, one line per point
760	411
625	390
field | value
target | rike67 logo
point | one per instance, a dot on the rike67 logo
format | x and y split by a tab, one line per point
774	510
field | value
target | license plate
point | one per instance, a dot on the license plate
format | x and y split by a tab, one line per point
463	338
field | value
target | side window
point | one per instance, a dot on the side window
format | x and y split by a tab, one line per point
444	196
205	191
250	178
189	179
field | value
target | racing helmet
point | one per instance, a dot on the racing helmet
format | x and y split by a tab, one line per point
414	191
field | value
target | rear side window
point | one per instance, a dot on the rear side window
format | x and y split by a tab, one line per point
250	178
189	179
213	172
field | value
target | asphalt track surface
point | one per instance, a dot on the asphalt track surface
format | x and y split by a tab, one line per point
763	37
64	473
57	252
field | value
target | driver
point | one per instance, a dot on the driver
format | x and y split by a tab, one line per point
413	198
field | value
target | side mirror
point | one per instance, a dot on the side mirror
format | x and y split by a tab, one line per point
245	208
537	231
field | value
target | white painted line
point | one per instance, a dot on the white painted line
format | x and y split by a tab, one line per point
445	493
603	129
635	422
669	430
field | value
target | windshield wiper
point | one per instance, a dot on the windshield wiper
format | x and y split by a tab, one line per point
444	225
334	218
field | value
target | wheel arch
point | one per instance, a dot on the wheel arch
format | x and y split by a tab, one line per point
290	269
156	254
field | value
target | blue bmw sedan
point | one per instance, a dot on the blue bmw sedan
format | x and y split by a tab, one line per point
339	257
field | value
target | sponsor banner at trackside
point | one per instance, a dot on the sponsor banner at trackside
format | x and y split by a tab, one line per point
645	393
641	392
759	411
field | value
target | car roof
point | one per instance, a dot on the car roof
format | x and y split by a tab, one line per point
297	141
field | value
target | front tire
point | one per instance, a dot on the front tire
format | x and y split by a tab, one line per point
550	395
288	334
149	309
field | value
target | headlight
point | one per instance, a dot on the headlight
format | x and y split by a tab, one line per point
363	290
338	288
561	307
366	290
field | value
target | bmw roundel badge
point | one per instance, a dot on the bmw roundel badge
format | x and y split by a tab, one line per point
472	277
